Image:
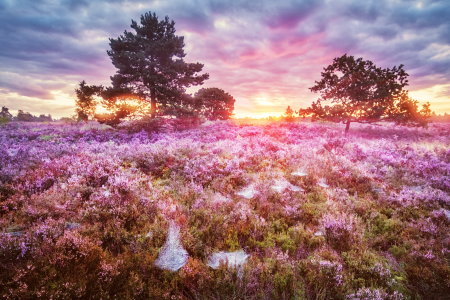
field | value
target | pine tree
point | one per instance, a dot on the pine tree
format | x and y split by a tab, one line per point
150	63
85	102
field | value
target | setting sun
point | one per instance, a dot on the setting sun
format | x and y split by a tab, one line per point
436	95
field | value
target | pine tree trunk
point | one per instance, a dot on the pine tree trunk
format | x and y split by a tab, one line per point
153	103
347	126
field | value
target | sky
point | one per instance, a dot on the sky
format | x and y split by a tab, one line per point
264	53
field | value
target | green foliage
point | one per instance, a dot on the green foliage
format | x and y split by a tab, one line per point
232	241
312	210
47	137
286	285
207	231
5	115
4	120
368	269
362	265
398	251
277	235
316	196
384	232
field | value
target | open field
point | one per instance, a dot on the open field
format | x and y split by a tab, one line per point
85	211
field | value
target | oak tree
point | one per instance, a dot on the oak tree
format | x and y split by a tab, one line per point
356	90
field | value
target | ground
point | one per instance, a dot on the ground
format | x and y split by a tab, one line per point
86	209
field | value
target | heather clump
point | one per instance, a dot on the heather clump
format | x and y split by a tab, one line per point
340	230
224	211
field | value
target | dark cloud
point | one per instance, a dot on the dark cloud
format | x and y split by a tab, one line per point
194	20
250	48
385	32
291	14
367	11
25	89
421	14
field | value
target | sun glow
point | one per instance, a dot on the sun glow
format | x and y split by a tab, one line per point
264	101
256	115
440	103
263	105
127	102
222	23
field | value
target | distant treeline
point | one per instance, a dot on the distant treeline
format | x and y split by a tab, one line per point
6	116
440	118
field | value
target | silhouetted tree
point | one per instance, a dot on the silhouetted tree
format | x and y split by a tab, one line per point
5	115
289	114
406	112
213	104
28	117
25	116
150	63
120	105
185	106
44	118
85	102
361	92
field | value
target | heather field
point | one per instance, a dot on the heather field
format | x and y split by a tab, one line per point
224	211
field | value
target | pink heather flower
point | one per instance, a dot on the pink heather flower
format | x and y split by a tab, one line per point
368	294
374	294
429	255
382	271
427	226
23	249
336	224
333	269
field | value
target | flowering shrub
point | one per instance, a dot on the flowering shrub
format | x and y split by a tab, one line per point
340	231
374	294
86	209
